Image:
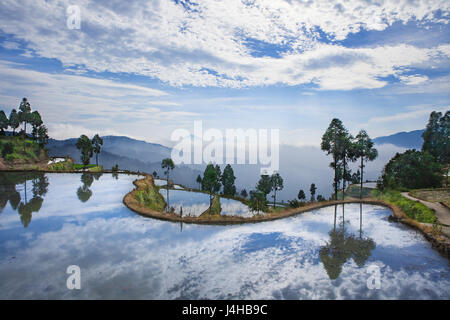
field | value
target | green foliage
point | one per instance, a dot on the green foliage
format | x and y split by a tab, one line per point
244	193
257	201
301	195
436	137
334	142
413	209
312	190
210	182
320	198
151	198
97	143
7	148
17	148
42	136
84	144
168	165
25	113
264	184
411	169
61	166
4	122
215	206
228	179
295	203
14	121
276	184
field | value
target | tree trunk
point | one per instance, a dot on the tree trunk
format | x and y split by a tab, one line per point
335	177
274	197
96	158
343	182
167	190
362	174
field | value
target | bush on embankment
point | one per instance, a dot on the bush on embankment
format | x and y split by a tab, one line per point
413	209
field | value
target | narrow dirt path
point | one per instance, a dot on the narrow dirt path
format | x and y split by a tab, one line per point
442	213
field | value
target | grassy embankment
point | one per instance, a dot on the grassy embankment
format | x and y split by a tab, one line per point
149	196
18	153
17	150
215	208
413	209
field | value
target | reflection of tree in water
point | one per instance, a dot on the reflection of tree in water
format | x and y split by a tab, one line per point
24	206
87	178
343	246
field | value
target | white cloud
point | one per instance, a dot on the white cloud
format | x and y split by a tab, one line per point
413	80
206	44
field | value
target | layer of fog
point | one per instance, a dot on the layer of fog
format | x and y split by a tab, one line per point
301	166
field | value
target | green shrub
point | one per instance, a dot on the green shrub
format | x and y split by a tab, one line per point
150	197
413	209
7	148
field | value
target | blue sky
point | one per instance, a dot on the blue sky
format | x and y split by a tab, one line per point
145	68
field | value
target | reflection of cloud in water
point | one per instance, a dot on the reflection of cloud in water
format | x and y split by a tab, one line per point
193	203
232	207
160	182
123	255
62	199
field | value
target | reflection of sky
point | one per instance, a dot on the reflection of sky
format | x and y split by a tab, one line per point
193	203
124	255
160	182
232	207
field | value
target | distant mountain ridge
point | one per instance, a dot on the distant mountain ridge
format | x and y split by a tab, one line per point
411	140
129	154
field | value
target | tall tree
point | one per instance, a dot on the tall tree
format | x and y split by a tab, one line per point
35	121
199	181
42	136
276	184
365	151
84	144
97	143
228	179
4	122
264	184
210	182
257	201
168	165
348	154
313	189
301	195
332	142
25	113
437	135
14	121
413	170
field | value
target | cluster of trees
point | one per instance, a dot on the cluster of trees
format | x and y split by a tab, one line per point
345	149
23	117
88	147
266	184
415	169
302	197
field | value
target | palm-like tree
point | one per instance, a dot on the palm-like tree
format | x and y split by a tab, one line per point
168	165
365	151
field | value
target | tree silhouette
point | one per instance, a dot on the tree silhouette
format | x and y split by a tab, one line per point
365	151
97	143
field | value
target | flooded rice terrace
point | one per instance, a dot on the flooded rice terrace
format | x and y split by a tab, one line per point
51	221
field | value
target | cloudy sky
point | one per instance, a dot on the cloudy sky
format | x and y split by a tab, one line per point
145	68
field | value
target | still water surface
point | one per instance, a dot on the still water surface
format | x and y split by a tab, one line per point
51	221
